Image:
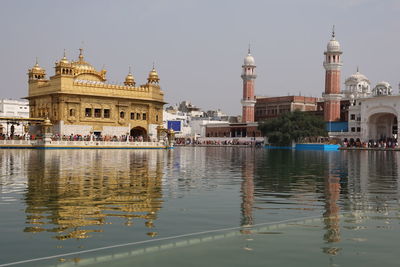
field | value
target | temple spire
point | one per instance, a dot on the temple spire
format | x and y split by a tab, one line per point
81	54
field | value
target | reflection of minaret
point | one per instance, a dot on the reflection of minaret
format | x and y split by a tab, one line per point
332	209
247	187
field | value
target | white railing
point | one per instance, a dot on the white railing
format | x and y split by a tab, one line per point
16	142
105	143
79	143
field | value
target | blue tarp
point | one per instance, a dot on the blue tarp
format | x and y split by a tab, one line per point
174	125
317	147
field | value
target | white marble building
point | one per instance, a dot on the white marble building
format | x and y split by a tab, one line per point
10	108
373	112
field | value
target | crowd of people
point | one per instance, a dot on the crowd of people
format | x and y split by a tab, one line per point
381	143
108	138
199	142
78	137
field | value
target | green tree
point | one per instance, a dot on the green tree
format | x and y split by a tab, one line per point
292	126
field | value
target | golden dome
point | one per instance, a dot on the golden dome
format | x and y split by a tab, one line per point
64	59
81	64
36	67
37	72
129	79
153	76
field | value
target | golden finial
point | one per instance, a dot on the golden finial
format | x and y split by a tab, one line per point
333	32
64	59
36	63
81	54
130	70
248	51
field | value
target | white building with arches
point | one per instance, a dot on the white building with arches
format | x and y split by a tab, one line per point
373	113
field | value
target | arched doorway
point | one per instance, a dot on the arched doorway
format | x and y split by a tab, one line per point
382	126
139	132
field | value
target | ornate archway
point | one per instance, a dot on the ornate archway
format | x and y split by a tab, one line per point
138	131
382	125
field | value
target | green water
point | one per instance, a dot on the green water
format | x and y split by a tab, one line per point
199	206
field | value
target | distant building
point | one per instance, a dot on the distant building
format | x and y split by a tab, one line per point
190	109
364	113
10	108
233	130
271	107
177	121
247	128
216	114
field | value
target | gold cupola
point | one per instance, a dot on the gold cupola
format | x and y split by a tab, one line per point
37	72
81	65
153	76
64	60
64	67
129	79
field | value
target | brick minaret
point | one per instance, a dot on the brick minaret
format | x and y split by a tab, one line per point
248	76
332	65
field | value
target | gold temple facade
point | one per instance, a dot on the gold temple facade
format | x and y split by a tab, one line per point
78	100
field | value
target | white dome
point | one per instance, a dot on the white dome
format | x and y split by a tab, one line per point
249	60
382	88
384	84
356	78
333	46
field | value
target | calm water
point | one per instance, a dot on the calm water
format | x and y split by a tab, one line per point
199	206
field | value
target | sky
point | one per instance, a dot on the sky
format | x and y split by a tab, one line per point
198	47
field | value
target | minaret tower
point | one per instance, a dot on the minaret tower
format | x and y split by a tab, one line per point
332	65
248	76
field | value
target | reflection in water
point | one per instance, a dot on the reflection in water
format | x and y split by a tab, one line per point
72	191
73	194
247	187
332	209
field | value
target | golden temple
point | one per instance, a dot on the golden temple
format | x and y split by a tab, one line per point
79	100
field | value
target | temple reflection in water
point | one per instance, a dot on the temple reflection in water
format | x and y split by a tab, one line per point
73	192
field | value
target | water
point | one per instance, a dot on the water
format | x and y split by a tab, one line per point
199	206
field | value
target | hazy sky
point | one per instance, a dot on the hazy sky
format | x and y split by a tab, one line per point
198	46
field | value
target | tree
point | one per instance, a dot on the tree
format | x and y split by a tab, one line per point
292	126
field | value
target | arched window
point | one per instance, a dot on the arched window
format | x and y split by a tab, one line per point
72	112
122	114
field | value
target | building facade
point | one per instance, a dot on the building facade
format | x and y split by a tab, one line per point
368	113
271	107
10	108
79	100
